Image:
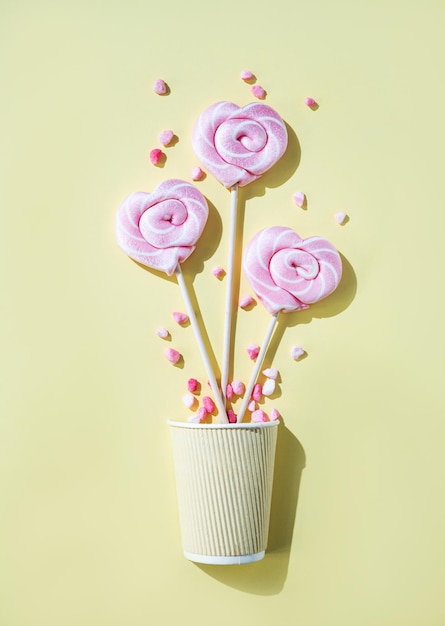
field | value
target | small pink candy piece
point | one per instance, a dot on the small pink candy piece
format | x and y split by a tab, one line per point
259	416
156	156
201	413
188	400
245	301
299	198
208	403
274	415
197	173
257	392
253	351
269	387
172	355
218	271
271	372
340	217
180	318
192	385
247	75
252	406
160	87
194	419
162	333
238	387
166	137
231	416
310	102
297	352
229	392
258	91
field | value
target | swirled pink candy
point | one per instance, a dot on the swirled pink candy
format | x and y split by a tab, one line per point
160	229
289	273
238	144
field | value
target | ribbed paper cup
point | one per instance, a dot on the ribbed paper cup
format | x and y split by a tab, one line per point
224	475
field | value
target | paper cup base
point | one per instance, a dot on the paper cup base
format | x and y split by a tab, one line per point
225	560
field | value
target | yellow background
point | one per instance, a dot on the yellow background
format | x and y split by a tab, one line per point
88	526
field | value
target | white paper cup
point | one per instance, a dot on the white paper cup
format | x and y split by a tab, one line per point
224	475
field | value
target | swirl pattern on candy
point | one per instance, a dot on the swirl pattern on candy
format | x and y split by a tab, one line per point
160	229
289	273
238	144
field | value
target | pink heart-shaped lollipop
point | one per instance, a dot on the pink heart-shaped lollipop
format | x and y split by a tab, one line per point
160	229
287	272
238	144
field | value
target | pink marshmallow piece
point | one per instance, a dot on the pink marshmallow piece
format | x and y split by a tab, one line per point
201	413
156	156
218	271
310	102
229	392
194	419
247	75
180	318
231	416
340	217
197	173
238	387
162	333
208	403
160	87
245	301
172	355
258	91
192	385
166	137
253	351
269	387
274	415
188	400
259	416
297	352
299	198
252	406
257	392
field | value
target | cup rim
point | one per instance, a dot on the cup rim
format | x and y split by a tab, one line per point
243	425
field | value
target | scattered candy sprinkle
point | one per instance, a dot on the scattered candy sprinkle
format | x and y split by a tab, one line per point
299	198
172	355
188	400
247	75
160	87
310	102
258	91
238	387
253	351
166	137
218	271
270	372
245	301
192	385
197	173
156	156
208	403
259	416
340	217
180	318
162	333
269	387
297	352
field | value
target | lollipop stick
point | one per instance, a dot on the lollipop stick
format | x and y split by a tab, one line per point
204	355
229	291
258	364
